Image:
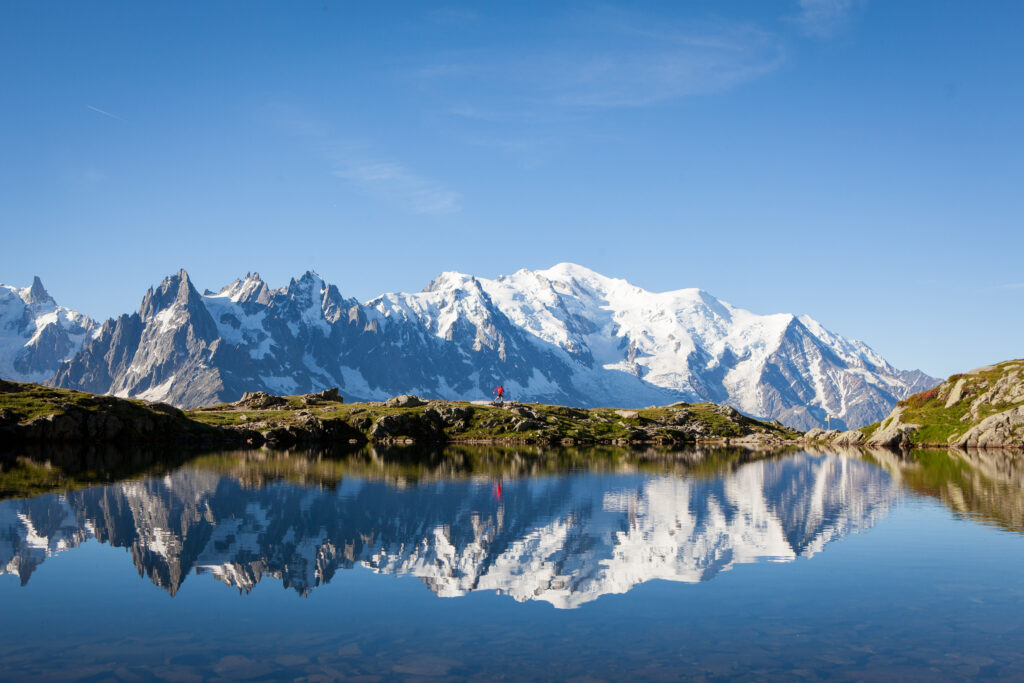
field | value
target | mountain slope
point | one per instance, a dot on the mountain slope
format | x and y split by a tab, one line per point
36	334
563	335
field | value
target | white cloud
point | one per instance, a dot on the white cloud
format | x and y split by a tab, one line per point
625	60
395	182
824	18
105	113
385	179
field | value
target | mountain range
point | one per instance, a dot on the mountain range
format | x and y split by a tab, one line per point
566	540
563	335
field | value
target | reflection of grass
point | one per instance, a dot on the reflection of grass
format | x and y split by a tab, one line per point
983	485
411	464
24	478
59	467
69	469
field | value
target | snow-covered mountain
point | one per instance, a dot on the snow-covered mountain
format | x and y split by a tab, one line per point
36	334
562	335
566	540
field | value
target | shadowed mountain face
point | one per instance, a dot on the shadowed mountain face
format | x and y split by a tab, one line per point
565	539
564	335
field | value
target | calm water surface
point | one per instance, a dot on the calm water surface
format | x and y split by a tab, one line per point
517	565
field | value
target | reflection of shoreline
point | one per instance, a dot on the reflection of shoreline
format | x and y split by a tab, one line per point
565	539
63	468
983	484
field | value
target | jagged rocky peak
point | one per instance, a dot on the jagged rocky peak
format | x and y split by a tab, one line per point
37	294
175	289
250	289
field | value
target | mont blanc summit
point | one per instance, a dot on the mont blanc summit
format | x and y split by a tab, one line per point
562	335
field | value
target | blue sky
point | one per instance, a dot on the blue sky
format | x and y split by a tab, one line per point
858	161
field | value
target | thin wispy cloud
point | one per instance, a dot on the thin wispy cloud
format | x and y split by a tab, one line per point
1011	285
105	113
355	163
394	182
624	61
824	18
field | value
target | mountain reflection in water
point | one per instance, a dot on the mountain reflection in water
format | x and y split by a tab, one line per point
565	539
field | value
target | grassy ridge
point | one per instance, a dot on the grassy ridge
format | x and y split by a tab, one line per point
31	412
951	409
467	422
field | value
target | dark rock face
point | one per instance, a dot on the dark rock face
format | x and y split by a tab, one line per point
104	358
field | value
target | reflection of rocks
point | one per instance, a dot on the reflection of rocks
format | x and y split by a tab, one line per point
984	483
563	539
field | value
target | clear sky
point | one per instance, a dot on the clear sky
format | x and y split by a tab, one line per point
858	161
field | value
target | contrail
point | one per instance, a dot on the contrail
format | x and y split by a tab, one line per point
105	113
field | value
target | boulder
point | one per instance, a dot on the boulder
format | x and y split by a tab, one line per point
1002	430
527	426
423	427
257	400
850	438
326	396
628	414
726	411
819	434
405	401
892	433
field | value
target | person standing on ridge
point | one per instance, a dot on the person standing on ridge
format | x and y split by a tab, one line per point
500	394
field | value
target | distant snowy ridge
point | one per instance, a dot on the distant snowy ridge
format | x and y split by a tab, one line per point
36	334
561	335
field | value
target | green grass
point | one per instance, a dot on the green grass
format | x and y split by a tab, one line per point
869	429
489	423
25	402
938	423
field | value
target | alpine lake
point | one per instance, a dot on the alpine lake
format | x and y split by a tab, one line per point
512	563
